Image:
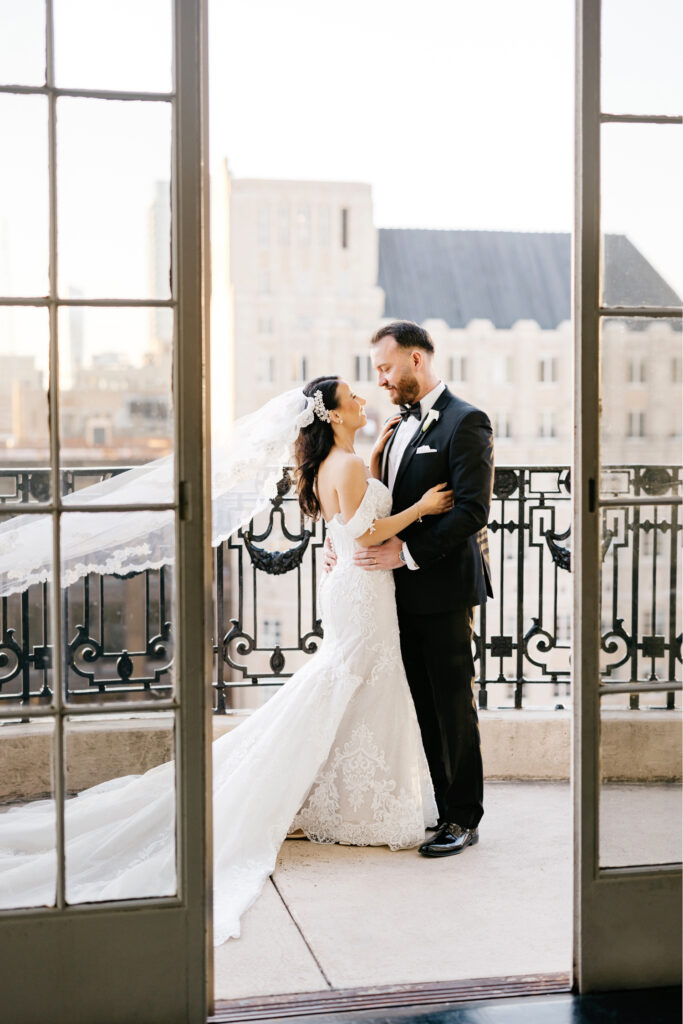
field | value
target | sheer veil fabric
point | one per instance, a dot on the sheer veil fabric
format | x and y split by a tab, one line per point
245	474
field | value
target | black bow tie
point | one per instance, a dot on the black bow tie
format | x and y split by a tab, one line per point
411	410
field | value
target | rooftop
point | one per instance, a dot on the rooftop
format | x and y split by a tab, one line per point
501	276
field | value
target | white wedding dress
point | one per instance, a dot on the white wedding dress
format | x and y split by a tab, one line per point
336	753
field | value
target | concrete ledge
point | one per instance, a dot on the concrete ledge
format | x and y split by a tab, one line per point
637	746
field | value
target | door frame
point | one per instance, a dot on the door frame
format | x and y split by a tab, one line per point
144	959
626	920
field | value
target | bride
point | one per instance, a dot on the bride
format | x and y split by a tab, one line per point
336	754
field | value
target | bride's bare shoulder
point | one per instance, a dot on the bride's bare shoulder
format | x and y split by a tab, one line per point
351	467
343	466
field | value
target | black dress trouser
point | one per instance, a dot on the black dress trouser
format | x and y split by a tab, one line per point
437	655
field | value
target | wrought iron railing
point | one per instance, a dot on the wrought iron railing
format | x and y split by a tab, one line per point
119	633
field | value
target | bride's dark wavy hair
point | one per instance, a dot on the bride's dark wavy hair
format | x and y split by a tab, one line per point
313	445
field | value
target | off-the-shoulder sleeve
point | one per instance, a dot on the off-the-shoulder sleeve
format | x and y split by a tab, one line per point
371	507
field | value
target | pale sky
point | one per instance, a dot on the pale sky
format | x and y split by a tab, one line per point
458	113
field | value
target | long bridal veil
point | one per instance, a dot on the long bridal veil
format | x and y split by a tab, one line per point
245	474
119	834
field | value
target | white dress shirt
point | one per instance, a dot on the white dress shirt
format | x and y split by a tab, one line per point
401	439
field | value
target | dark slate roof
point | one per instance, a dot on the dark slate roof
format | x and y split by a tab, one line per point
502	276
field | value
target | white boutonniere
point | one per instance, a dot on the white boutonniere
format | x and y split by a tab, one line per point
431	418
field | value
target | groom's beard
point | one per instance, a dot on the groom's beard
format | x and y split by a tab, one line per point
405	391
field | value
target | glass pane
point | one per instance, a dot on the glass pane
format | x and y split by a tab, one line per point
640	794
114	44
642	72
641	396
641	588
116	402
24	207
118	606
28	832
120	816
22	42
25	609
24	414
113	168
641	591
642	214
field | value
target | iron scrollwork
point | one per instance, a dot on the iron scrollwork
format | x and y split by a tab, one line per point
276	563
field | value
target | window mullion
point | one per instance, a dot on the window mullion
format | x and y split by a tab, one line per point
90	94
57	666
641	119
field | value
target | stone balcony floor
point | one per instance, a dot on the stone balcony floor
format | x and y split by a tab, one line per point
335	917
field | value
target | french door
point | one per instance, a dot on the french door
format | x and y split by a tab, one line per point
105	146
627	658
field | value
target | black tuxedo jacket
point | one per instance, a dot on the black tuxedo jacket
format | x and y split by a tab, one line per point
450	549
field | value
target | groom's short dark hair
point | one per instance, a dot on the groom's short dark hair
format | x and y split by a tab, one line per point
406	334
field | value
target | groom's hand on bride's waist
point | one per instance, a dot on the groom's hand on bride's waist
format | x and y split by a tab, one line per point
380	556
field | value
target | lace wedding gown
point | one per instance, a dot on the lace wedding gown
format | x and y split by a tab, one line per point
336	753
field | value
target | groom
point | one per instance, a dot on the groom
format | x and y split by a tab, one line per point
441	568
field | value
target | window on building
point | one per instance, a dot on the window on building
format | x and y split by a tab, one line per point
676	373
564	626
99	435
548	370
264	225
264	282
502	369
345	228
265	325
636	424
265	369
305	324
299	367
324	225
651	626
636	370
457	369
271	634
304	282
283	225
303	226
501	425
546	424
362	367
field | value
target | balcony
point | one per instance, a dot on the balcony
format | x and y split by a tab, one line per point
118	646
335	917
118	642
119	630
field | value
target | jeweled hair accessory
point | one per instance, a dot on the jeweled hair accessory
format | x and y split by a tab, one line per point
319	407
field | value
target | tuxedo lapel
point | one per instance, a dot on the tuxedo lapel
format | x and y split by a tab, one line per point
408	455
385	454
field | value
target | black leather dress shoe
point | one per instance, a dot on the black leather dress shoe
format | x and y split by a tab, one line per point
434	828
449	839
